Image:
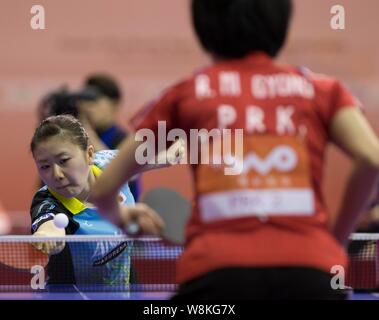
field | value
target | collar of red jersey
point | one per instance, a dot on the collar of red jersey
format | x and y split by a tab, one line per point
74	205
258	57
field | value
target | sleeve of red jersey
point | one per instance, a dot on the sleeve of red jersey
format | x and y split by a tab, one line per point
331	97
342	98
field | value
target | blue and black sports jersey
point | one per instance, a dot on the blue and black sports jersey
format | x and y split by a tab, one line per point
85	262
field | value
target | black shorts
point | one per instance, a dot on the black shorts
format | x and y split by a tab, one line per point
260	283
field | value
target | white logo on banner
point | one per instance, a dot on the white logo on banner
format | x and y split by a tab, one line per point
282	158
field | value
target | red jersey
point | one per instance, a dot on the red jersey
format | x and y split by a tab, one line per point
270	212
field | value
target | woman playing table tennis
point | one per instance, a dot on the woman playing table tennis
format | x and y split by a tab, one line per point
262	232
68	166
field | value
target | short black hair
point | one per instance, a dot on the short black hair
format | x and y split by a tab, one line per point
63	101
65	126
234	28
105	85
58	102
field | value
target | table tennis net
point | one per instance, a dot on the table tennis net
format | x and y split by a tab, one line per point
119	263
91	263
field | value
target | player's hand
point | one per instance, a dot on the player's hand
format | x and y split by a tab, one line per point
176	152
147	219
48	229
49	247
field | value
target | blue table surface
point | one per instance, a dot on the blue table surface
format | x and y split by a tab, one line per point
75	293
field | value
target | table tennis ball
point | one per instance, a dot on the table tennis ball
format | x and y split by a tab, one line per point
61	221
132	228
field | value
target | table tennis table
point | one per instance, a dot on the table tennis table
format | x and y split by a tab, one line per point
73	292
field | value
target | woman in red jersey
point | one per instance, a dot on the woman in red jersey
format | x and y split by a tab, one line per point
260	229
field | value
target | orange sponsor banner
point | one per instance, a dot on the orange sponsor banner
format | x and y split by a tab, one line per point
274	179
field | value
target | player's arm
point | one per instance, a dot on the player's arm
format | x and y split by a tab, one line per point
353	134
166	158
48	229
173	155
43	211
133	158
105	191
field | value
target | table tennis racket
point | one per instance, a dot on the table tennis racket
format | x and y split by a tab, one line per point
174	210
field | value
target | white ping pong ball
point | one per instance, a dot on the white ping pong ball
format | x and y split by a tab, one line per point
61	221
132	228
